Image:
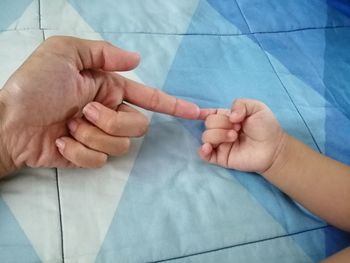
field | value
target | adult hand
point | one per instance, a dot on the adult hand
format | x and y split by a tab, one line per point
68	82
247	137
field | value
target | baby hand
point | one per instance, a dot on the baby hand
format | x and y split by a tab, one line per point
246	138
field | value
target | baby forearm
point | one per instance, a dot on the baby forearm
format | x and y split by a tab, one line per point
341	257
317	182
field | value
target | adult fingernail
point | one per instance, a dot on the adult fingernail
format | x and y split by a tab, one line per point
60	144
136	55
72	125
91	112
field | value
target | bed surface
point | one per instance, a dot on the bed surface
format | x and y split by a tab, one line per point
161	202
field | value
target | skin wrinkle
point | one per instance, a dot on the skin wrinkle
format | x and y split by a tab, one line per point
92	88
43	154
229	155
19	155
112	100
281	144
67	59
112	124
175	107
104	55
78	62
154	101
99	63
118	83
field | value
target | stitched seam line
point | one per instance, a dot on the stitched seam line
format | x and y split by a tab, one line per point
60	214
291	99
242	244
39	7
189	34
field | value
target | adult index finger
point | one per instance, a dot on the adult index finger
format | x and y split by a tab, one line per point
156	100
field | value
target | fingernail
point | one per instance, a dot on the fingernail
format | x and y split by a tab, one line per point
136	55
72	125
60	144
91	112
205	148
231	134
233	115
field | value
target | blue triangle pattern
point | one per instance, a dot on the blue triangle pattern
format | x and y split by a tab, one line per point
11	10
14	244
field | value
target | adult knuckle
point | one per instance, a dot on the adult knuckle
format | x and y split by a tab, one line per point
120	146
112	124
78	157
155	99
53	39
98	162
125	146
143	126
106	43
84	135
101	161
57	40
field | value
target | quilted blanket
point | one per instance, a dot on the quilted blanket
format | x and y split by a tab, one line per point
160	202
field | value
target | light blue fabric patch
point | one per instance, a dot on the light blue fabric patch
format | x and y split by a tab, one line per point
271	250
180	205
14	245
216	17
157	54
11	10
230	11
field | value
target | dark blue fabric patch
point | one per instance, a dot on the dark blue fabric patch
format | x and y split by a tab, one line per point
342	5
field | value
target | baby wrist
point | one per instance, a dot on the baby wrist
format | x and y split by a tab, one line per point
281	157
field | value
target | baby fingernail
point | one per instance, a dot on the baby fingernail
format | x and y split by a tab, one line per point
91	112
234	114
60	144
72	125
231	134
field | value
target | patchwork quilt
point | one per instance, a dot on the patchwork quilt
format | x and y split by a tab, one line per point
160	202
